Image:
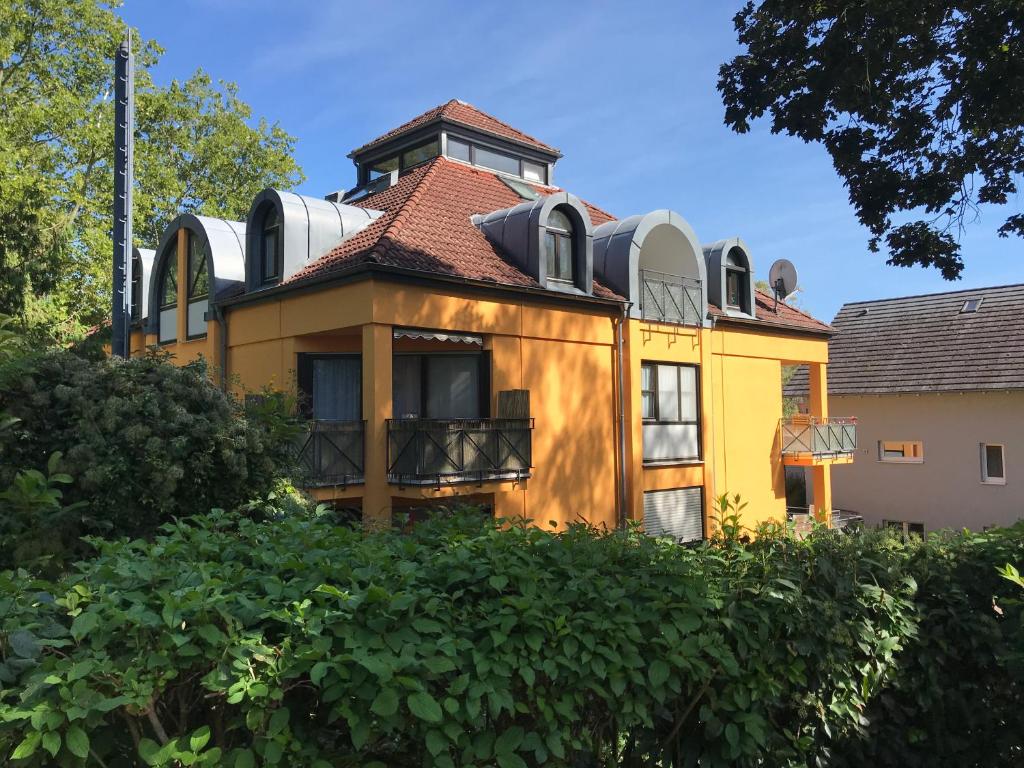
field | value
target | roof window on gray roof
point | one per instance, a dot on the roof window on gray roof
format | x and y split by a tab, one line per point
971	305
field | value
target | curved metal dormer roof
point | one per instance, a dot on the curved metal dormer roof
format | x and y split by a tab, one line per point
311	228
144	258
717	255
519	233
225	253
661	244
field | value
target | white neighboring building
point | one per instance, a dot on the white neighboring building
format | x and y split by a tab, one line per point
937	383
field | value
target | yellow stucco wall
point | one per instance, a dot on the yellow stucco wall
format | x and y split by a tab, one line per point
566	358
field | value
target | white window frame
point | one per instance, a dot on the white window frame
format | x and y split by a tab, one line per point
985	479
900	459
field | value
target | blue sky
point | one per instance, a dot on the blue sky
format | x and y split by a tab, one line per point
625	90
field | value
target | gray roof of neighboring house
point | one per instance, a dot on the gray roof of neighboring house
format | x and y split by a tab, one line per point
926	344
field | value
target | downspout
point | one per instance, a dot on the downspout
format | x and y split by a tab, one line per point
622	418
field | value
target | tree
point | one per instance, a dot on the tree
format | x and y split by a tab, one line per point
197	150
920	104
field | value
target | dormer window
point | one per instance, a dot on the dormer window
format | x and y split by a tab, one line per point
198	286
169	297
406	159
736	281
270	247
493	160
558	247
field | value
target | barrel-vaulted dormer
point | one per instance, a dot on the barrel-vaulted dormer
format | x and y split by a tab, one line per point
212	262
551	239
286	231
655	261
731	276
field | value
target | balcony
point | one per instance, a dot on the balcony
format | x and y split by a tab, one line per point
809	441
332	453
436	451
669	298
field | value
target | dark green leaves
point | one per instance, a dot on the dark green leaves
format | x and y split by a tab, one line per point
425	707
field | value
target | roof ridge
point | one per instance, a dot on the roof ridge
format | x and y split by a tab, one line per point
933	295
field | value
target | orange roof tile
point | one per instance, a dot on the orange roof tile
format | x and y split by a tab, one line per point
465	114
785	316
427	226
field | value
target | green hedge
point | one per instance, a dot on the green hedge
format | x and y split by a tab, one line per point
296	642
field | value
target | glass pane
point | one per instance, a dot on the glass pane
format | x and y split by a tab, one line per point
550	255
558	220
198	279
337	389
378	169
735	259
647	405
994	461
453	387
688	393
534	172
497	161
420	154
270	254
732	288
169	288
406	387
668	393
564	247
647	377
458	149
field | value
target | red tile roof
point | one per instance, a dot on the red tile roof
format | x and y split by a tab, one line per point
785	316
427	226
465	114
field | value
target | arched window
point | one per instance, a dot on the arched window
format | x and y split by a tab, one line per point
736	283
558	247
136	287
198	286
169	296
270	247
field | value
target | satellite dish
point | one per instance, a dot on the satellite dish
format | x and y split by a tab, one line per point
782	277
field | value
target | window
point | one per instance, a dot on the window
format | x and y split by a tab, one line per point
270	247
440	386
420	154
733	296
993	467
736	284
458	149
168	330
971	305
136	305
558	247
901	451
331	386
535	172
198	286
382	168
669	401
496	161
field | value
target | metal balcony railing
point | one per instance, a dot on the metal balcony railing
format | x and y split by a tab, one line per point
432	451
840	519
818	437
669	298
332	453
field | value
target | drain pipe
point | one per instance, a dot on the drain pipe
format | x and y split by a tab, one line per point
622	417
222	321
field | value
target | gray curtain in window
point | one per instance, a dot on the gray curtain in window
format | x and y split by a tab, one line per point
453	387
406	387
337	389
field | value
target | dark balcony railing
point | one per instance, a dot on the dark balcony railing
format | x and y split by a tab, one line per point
821	438
669	298
332	453
432	451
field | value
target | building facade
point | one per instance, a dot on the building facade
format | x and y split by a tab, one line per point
937	383
456	326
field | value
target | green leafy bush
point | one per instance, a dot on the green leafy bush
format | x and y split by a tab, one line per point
143	441
228	641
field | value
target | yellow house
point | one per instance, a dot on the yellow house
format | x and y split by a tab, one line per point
458	326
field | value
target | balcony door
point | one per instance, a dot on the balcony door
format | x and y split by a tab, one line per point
440	386
331	386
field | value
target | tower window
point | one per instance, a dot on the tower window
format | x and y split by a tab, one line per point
270	247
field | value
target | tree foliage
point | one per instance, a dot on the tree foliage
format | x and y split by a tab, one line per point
198	150
920	104
119	447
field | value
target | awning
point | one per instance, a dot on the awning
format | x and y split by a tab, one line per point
415	333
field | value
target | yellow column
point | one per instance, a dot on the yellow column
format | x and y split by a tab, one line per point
821	475
182	331
376	410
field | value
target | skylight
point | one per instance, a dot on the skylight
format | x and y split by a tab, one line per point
971	305
525	191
